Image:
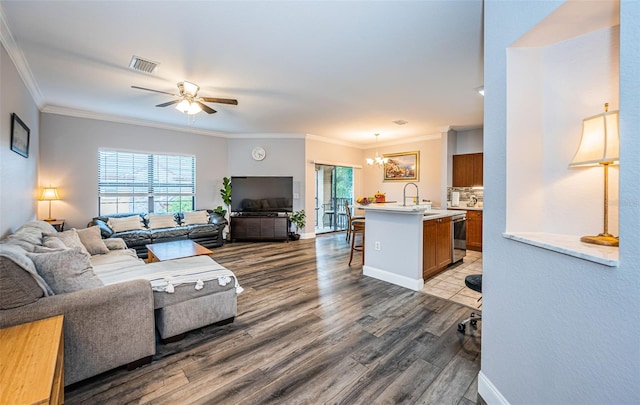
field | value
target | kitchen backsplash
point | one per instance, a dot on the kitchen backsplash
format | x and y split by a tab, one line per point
466	196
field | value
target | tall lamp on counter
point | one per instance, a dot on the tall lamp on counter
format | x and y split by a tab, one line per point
49	194
600	145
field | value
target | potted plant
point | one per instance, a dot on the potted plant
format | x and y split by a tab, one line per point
225	193
298	219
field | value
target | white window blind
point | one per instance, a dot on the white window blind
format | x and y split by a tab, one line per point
142	182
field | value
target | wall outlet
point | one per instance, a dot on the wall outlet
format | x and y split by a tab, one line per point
296	196
376	245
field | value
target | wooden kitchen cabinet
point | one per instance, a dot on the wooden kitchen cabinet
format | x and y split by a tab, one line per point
436	250
468	170
474	230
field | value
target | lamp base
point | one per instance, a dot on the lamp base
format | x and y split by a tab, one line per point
604	239
49	220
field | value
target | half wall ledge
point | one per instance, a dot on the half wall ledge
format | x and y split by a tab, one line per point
568	245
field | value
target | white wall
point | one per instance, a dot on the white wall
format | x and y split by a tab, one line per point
18	175
469	141
552	89
71	161
429	181
557	329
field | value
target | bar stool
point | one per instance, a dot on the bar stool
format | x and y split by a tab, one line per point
357	228
474	282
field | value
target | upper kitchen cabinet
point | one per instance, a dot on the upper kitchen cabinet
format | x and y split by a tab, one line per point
467	170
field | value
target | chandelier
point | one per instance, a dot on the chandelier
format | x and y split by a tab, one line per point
377	160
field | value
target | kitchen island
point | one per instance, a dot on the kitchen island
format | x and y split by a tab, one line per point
406	244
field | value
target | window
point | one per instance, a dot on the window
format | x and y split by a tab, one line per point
143	182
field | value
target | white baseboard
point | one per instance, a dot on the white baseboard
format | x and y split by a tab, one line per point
402	281
308	235
489	392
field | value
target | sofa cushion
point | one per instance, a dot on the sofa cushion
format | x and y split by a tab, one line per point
66	270
130	223
92	240
195	218
168	233
158	221
199	231
70	239
27	237
17	287
52	243
134	238
15	253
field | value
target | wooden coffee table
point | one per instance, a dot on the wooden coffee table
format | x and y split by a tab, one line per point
175	250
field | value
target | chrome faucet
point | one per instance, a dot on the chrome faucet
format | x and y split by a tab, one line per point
404	194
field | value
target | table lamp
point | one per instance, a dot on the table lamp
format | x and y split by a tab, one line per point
600	145
49	194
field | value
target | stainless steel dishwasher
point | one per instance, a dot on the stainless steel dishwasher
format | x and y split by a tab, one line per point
459	239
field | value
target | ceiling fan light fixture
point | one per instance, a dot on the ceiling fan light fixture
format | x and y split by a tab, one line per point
194	108
188	107
188	88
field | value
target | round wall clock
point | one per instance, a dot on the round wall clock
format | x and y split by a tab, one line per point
258	153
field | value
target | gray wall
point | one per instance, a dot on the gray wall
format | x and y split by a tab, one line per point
18	175
284	157
557	329
71	160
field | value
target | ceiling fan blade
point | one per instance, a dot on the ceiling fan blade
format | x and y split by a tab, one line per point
155	91
168	103
205	108
220	100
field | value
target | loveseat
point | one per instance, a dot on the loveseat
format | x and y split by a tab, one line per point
207	232
111	300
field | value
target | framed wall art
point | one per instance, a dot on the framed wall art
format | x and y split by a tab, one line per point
403	166
19	136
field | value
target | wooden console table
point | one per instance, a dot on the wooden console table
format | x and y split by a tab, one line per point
32	363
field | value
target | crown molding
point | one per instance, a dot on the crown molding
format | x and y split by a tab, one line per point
71	112
19	61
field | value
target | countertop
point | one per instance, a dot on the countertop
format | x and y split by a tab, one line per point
424	209
465	208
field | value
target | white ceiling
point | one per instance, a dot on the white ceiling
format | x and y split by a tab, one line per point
337	69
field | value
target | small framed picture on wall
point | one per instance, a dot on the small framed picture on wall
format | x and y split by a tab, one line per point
19	136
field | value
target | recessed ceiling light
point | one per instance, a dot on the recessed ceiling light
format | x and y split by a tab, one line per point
400	122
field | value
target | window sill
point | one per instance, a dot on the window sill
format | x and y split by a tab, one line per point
568	245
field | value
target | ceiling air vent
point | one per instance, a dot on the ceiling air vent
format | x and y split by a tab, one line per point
142	65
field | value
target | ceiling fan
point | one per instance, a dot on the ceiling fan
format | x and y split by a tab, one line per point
188	100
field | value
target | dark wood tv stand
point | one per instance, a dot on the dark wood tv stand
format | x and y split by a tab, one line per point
260	227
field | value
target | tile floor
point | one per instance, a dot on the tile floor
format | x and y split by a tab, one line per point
450	283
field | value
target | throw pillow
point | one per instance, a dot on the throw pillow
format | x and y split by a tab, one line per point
157	221
131	223
70	239
51	242
196	218
66	270
92	240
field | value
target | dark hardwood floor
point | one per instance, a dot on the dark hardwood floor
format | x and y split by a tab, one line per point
309	330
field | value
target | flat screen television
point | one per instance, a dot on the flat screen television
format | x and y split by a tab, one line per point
261	194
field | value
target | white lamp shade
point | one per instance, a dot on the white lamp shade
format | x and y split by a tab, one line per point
600	140
188	107
189	88
49	193
194	108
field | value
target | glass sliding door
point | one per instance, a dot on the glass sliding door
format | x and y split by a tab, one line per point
334	189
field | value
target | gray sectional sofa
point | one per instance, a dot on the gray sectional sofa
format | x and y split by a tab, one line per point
112	301
209	235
